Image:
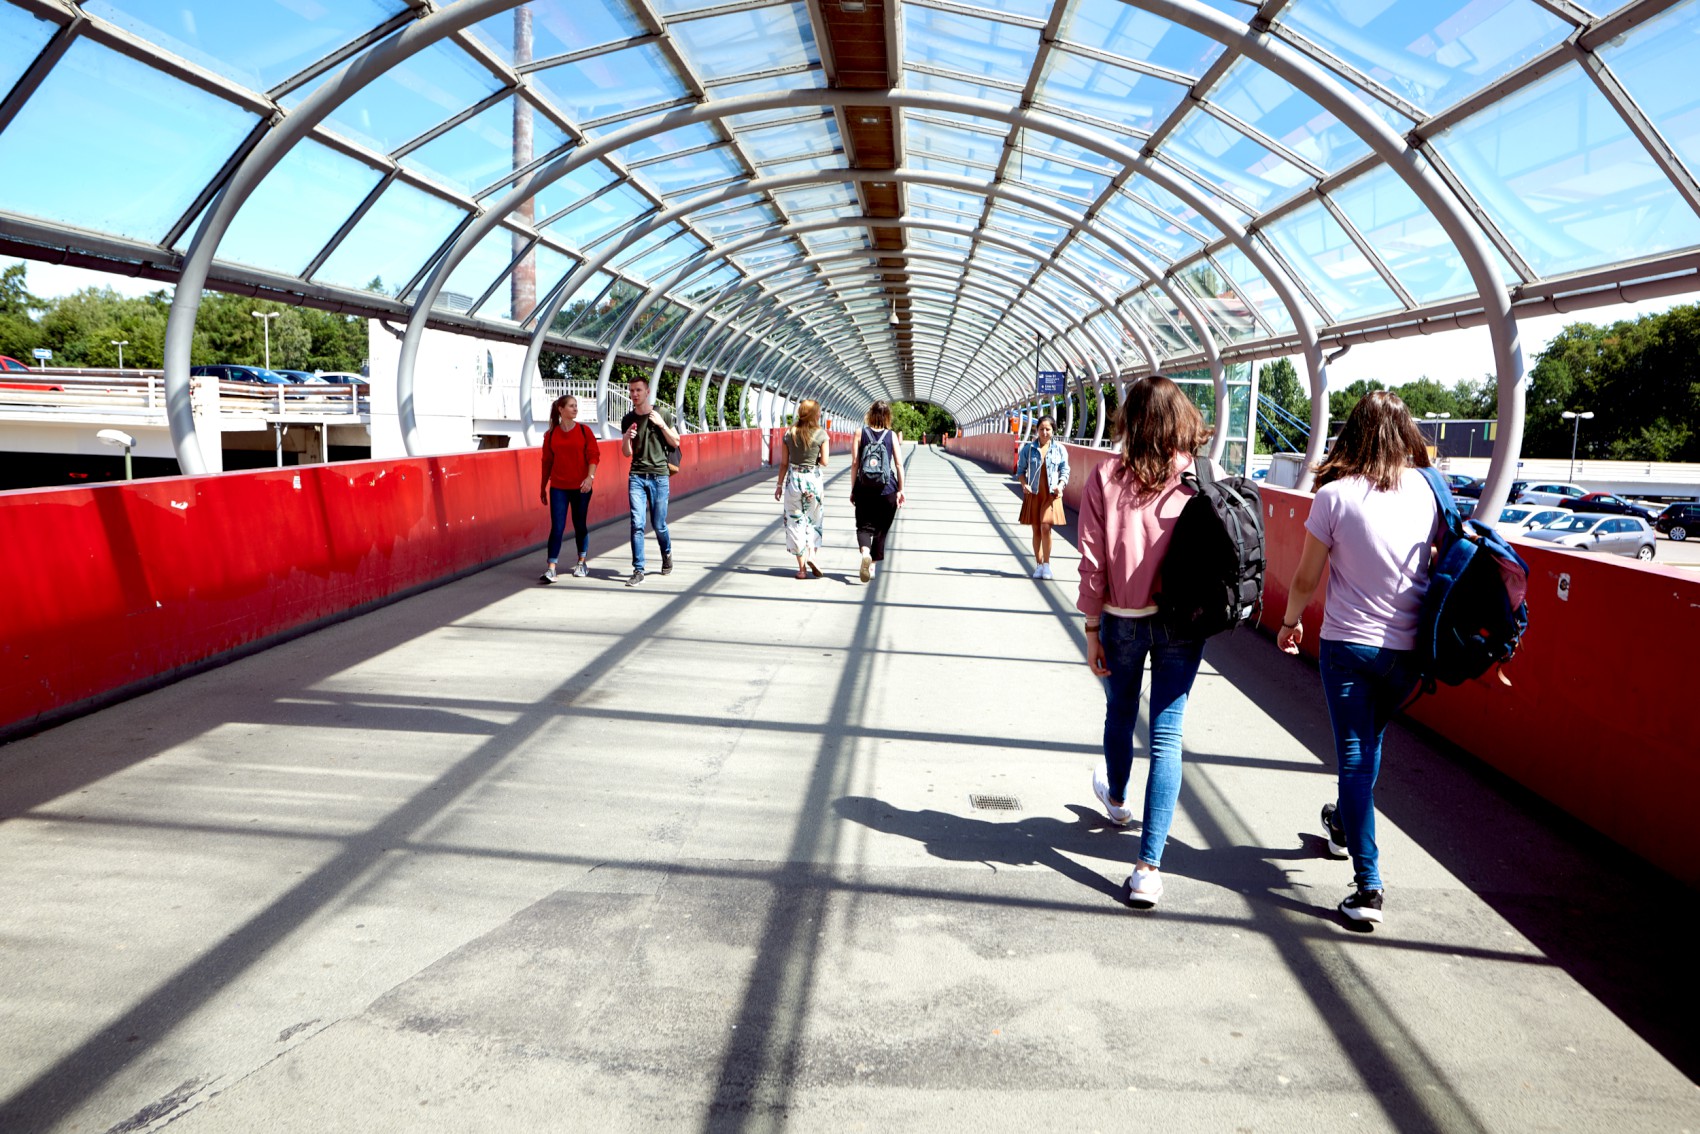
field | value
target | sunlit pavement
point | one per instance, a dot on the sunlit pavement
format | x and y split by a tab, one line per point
702	854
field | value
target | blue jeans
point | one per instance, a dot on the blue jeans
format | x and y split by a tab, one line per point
560	500
1365	685
1174	664
649	502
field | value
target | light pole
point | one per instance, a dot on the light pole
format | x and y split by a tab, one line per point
265	318
120	344
1575	432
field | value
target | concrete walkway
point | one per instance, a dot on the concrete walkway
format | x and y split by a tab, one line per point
701	855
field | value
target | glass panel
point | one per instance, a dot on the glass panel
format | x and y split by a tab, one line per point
971	47
760	39
1431	54
609	313
612	84
412	97
24	35
487	262
1262	99
480	152
1097	261
1408	238
128	149
835	198
559	27
1232	162
1164	333
550	267
1251	285
1653	62
391	242
297	209
1019	224
1081	186
669	142
1560	171
1148	226
1225	308
967	147
666	258
809	80
599	216
581	305
1086	86
940	84
727	226
258	43
773	145
1110	25
681	175
1332	267
577	186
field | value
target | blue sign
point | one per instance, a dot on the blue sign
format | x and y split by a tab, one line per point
42	354
1053	381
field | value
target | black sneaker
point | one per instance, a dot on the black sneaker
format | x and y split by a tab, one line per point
1362	905
1336	832
667	563
637	577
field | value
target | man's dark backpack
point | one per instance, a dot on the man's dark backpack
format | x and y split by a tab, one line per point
1475	612
876	465
1212	574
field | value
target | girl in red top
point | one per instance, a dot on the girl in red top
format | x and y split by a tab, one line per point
570	456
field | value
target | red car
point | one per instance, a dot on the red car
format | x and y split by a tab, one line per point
10	365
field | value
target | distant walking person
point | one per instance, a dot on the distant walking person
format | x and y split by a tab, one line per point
570	457
876	486
799	486
1043	472
646	436
1373	523
1128	509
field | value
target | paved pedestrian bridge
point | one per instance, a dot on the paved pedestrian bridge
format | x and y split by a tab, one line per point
731	851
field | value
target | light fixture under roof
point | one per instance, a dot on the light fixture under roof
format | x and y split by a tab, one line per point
853	5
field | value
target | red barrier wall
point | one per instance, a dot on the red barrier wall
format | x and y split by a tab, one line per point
998	451
838	444
1597	718
116	586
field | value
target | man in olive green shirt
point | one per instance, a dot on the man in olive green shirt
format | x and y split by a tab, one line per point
645	436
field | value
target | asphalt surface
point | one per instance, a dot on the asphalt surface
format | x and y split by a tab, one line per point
703	854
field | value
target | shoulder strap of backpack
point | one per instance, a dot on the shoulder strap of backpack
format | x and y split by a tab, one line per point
1443	497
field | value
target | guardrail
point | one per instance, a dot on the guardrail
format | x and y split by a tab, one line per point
141	394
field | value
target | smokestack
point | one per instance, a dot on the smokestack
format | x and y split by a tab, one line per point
525	272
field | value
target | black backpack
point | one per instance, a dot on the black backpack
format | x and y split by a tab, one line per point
1212	574
876	464
1475	612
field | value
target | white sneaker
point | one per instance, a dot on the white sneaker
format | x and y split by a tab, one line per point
867	566
1120	816
581	570
548	575
1145	887
873	569
1047	570
1039	571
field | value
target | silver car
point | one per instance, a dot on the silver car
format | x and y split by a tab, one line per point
1619	535
1520	519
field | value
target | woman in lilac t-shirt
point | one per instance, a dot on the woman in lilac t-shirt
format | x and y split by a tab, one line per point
1374	525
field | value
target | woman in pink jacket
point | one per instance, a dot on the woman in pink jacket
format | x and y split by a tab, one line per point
1128	510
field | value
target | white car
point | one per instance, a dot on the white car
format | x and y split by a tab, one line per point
1551	493
1520	519
1618	535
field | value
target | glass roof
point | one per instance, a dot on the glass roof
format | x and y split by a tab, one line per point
1163	186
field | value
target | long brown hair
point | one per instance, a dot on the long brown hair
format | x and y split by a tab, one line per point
808	420
879	415
555	409
1378	442
1156	422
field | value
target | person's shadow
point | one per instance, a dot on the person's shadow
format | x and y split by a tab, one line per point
1043	841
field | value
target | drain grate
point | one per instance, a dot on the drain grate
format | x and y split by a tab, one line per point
994	802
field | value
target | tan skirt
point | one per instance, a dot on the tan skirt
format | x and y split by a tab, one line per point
1035	509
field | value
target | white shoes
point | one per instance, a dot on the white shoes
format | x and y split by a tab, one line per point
548	575
1043	571
1145	887
1120	816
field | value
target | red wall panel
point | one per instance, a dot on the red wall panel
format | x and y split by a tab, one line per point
117	585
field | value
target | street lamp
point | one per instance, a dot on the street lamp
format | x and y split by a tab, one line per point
265	318
123	441
120	344
1575	432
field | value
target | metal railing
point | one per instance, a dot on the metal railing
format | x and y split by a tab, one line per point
141	394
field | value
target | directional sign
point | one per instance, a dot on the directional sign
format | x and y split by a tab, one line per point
42	354
1052	381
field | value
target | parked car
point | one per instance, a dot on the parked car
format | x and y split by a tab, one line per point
226	372
11	365
1474	488
1520	519
343	378
1678	519
1619	535
1552	493
302	377
1606	503
1470	486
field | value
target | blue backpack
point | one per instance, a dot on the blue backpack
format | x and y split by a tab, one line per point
1475	612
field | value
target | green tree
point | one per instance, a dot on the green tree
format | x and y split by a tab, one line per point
1279	382
1340	402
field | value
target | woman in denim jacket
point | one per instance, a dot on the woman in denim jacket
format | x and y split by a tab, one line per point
1043	472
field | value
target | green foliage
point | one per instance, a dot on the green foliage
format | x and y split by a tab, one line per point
1279	382
914	420
1641	379
80	329
1340	402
